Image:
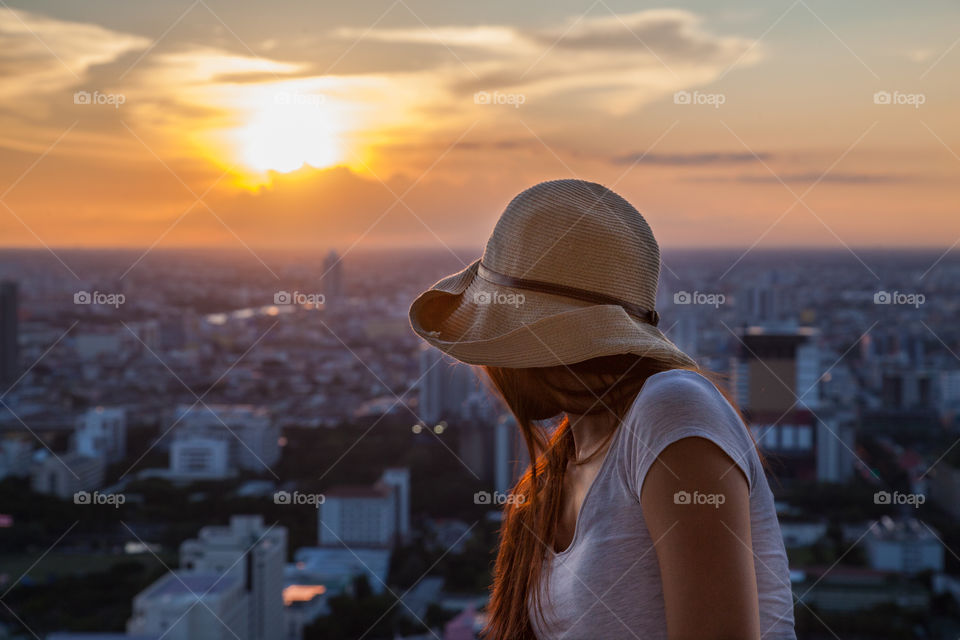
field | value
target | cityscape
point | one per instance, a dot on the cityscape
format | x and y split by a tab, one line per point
201	447
218	423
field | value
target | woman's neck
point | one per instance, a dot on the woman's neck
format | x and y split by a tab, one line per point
590	431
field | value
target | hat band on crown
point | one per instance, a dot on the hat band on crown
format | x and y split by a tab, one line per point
650	316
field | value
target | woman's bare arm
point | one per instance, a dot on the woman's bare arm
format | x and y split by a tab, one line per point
697	507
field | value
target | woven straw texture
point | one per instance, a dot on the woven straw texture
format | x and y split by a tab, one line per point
566	232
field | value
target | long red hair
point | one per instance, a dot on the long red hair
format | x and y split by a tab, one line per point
529	526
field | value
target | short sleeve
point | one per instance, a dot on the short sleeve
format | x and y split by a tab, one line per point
679	404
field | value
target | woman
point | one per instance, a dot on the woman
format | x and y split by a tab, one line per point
646	513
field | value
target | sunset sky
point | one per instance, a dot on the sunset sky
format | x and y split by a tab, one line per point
412	123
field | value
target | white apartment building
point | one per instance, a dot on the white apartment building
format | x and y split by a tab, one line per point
251	437
102	431
65	474
236	570
367	516
199	458
187	606
903	546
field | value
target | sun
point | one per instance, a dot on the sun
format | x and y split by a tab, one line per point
291	131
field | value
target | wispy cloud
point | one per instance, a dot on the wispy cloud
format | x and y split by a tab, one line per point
632	58
691	159
41	55
812	177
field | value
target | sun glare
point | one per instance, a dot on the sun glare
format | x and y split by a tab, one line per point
294	130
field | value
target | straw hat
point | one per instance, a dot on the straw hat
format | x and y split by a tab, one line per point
570	273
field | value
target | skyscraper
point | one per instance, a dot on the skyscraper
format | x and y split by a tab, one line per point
9	334
332	281
445	385
399	479
776	382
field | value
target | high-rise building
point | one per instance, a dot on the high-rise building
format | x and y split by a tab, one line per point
236	571
686	332
375	515
835	448
948	396
763	304
332	281
445	385
777	369
9	334
776	381
102	431
904	388
357	515
251	437
398	478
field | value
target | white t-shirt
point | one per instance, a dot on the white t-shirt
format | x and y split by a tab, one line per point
606	584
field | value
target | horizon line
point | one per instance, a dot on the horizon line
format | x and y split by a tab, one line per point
476	248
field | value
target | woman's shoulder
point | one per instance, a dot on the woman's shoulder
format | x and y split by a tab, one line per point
683	403
682	390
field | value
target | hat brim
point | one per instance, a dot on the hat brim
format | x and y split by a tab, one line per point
481	323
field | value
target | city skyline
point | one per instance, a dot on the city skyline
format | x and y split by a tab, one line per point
232	399
199	400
